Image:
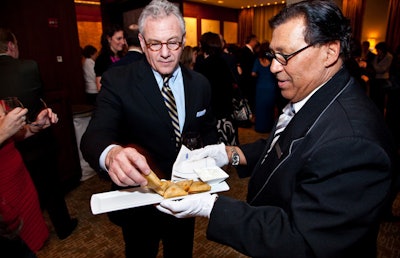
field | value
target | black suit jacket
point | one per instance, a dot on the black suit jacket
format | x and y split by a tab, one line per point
130	110
21	78
321	190
130	57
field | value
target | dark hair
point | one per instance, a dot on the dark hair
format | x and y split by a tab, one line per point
108	33
382	47
249	38
132	37
5	36
88	51
211	43
324	23
264	49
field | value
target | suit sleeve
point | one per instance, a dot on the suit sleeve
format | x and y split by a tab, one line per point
337	197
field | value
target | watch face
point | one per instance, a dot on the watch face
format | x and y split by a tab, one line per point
235	159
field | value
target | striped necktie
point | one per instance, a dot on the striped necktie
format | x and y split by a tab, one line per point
172	110
283	121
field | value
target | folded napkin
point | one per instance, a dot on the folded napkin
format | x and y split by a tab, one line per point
184	167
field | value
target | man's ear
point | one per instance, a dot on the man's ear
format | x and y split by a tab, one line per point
10	46
332	53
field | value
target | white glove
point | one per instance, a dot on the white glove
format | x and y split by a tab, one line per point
198	205
215	151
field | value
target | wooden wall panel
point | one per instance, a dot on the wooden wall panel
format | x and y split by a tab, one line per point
46	29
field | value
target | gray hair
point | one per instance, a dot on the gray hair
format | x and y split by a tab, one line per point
158	9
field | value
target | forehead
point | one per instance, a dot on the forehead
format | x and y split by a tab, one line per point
288	35
162	28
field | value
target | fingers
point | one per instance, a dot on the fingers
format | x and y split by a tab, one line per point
126	166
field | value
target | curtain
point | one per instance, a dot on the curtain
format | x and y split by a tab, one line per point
393	28
354	10
260	21
245	25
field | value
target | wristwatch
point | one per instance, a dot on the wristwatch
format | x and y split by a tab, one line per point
235	157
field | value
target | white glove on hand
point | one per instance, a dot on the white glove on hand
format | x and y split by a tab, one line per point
198	205
215	151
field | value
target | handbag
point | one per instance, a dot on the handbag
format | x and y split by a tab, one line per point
241	107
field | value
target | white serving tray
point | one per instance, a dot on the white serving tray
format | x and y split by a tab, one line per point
135	197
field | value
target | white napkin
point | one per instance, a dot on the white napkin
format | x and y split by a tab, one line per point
184	168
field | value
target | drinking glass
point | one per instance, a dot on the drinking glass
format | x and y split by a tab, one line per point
192	140
9	103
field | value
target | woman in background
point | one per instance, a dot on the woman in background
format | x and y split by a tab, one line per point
112	46
188	57
89	53
19	204
266	91
217	71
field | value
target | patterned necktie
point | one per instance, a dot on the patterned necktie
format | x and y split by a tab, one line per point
283	121
172	110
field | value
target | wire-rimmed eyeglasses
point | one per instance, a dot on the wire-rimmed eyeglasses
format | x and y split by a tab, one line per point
282	58
157	45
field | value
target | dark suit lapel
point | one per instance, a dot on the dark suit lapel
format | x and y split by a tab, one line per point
190	94
298	127
147	85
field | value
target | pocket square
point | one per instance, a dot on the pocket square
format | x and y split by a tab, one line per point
200	113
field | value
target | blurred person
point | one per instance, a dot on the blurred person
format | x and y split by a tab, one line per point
246	57
22	222
89	53
135	52
188	57
266	91
320	186
218	73
379	84
21	78
132	131
112	49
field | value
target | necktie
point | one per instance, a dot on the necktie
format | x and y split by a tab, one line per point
172	110
283	121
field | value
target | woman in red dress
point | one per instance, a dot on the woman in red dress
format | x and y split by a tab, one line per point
19	204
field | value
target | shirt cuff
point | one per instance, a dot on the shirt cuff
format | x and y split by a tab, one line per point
102	160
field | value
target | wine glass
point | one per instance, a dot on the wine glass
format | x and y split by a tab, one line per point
9	103
192	140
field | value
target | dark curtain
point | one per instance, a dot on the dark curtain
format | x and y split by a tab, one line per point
393	28
354	10
245	24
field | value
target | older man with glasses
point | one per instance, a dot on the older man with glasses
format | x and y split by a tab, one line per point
321	182
142	111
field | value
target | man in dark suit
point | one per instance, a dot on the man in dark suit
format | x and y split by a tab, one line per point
131	130
134	50
21	78
320	189
246	58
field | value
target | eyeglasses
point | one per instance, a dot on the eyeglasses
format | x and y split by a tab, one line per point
157	45
282	58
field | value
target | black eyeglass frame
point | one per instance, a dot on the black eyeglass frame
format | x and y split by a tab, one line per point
160	44
273	55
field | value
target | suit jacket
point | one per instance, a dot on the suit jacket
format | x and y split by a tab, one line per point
321	189
131	110
130	57
21	78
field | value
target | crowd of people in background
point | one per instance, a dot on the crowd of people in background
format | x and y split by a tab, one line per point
245	71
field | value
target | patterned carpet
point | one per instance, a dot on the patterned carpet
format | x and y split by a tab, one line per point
96	237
